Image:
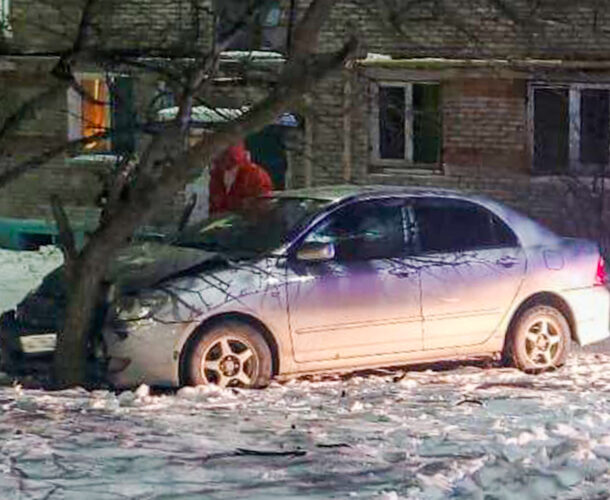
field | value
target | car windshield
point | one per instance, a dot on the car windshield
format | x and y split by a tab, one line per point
260	226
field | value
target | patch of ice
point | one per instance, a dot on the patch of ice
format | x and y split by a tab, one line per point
356	406
372	56
205	393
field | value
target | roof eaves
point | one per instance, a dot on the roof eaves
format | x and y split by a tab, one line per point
437	63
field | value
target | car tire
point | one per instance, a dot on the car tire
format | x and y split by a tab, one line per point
230	354
539	340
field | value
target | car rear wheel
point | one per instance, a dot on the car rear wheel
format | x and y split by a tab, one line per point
539	340
230	354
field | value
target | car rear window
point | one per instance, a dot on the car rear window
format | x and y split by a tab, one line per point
445	225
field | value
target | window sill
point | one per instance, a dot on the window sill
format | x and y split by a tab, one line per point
404	167
95	158
380	162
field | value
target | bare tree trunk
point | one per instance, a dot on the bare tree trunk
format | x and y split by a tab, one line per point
84	274
71	352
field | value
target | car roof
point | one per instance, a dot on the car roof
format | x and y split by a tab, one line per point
341	192
528	231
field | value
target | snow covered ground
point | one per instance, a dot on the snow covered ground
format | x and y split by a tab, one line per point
466	432
20	272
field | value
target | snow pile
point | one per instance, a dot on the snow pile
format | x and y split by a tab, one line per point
468	432
21	272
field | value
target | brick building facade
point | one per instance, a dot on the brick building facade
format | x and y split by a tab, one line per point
504	98
509	99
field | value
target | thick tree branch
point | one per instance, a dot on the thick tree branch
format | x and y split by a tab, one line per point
306	34
206	66
298	77
180	169
66	235
16	171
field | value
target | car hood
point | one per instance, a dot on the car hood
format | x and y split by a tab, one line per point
136	267
144	265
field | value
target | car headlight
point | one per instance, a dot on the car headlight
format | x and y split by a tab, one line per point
142	306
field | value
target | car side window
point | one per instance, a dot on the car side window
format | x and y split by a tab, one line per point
363	231
445	225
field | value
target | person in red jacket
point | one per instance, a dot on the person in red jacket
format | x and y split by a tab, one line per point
234	177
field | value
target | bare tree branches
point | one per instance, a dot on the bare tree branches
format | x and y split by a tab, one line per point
16	171
295	81
305	39
168	162
65	79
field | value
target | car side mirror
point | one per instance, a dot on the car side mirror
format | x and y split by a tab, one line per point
316	252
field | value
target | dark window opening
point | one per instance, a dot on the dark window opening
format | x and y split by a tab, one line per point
392	122
551	129
123	115
594	126
426	123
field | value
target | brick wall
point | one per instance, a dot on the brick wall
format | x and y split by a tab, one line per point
50	26
484	118
485	133
179	26
474	28
484	124
485	151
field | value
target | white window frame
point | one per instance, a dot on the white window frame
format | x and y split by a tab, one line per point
5	12
574	126
374	123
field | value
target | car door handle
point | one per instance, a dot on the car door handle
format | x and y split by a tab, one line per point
506	262
403	274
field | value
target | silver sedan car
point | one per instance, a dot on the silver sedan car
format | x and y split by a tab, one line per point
347	278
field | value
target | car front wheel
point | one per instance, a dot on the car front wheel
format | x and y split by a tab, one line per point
539	340
230	354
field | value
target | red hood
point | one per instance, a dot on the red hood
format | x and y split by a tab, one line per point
233	155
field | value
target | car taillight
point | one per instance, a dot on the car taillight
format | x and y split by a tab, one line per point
601	277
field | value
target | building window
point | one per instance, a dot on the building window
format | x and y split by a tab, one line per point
108	112
5	11
246	30
570	127
406	123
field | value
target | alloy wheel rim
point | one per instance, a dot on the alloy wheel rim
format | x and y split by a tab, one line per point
229	362
542	343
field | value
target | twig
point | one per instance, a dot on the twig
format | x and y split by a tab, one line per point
259	453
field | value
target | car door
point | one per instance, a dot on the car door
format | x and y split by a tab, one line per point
472	268
366	300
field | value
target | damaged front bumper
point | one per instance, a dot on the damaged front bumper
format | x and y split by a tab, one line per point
125	354
145	352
